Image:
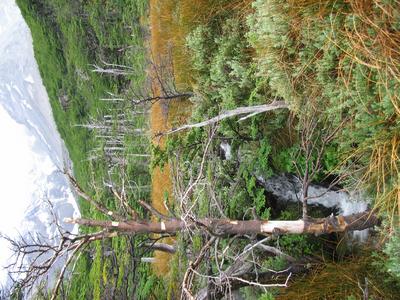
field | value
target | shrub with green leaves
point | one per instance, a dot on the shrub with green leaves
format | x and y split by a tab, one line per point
392	250
337	58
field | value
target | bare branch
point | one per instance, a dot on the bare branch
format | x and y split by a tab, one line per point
161	247
64	268
247	110
86	197
154	211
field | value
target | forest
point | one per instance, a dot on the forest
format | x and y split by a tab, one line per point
223	148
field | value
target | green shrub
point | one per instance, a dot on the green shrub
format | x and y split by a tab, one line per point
392	250
335	58
298	245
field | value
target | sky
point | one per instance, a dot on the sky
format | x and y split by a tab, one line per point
31	150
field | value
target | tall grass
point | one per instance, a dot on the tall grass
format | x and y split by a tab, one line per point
375	43
342	57
342	280
170	22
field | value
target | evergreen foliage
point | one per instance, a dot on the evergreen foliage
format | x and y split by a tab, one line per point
338	59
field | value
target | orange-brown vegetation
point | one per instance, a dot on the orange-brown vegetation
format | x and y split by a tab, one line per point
170	22
338	281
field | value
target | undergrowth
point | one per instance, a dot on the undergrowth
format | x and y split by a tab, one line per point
342	57
336	61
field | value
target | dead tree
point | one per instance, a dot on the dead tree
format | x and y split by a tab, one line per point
161	85
244	112
313	144
44	255
226	227
235	278
36	257
226	277
113	131
113	69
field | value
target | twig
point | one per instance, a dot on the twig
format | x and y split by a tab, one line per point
154	211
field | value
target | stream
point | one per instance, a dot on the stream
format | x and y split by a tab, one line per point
288	188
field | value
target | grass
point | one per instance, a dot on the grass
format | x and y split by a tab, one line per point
337	59
69	38
342	280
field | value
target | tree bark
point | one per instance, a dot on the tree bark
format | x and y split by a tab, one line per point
162	247
226	227
248	111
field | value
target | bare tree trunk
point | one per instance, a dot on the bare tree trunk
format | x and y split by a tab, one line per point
225	227
162	247
248	111
150	260
158	98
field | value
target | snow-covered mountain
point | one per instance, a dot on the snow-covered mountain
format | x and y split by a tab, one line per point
32	154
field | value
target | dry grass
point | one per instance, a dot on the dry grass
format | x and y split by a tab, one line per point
167	43
172	20
379	49
384	168
160	184
374	42
339	281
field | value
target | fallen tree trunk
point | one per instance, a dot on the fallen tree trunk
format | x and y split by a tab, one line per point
247	111
226	227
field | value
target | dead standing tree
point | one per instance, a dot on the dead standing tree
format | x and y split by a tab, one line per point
313	143
122	135
161	85
36	257
114	127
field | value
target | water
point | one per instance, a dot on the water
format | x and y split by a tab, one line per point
32	154
288	188
227	150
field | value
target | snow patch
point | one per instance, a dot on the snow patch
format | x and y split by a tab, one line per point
29	79
32	152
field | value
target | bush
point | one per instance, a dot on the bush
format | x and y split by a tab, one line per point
392	250
336	58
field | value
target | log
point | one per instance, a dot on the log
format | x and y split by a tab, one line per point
226	227
248	111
